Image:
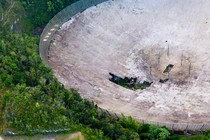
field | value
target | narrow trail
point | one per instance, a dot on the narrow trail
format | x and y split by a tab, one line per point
8	12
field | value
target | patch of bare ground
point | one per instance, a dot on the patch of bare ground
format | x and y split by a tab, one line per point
73	136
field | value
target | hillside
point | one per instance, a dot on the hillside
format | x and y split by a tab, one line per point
34	102
12	15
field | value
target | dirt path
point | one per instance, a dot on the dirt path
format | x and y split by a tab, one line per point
76	135
8	11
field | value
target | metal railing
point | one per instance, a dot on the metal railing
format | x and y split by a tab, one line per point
66	14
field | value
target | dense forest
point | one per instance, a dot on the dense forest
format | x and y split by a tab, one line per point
32	100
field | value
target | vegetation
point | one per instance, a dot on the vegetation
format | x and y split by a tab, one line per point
129	83
168	68
32	100
39	12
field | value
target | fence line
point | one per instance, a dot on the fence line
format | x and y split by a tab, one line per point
66	14
187	127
